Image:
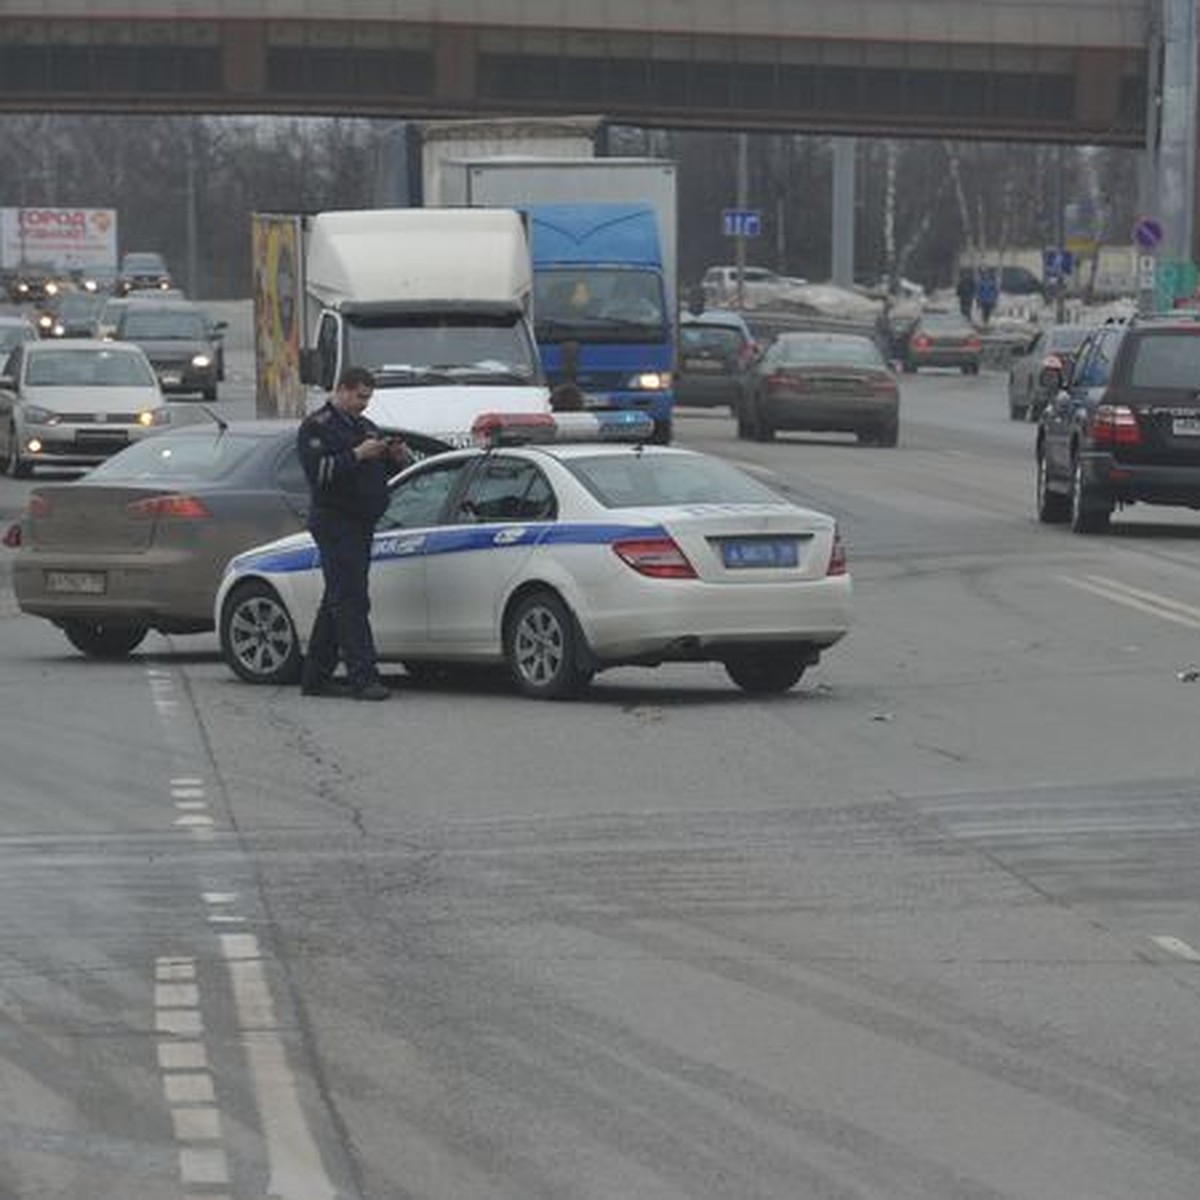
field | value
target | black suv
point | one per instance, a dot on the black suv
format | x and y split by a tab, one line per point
1124	427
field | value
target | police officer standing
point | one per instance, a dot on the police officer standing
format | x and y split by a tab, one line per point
348	464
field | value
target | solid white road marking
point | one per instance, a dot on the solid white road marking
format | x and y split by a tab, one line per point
295	1167
182	1022
1155	605
1178	947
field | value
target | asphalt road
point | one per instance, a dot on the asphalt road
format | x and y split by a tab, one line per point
927	928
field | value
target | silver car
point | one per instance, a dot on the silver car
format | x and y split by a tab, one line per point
74	403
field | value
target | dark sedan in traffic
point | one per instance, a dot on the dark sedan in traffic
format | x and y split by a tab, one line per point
835	382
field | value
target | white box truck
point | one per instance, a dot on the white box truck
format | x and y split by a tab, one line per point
435	302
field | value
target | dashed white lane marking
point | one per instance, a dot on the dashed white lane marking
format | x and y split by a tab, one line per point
191	805
1163	607
220	897
295	1167
187	793
187	1080
194	821
1178	947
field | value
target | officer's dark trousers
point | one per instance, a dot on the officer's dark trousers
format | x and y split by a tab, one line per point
342	628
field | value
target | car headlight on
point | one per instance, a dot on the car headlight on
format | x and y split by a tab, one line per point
45	321
35	414
52	289
154	416
201	360
59	330
652	381
22	287
90	285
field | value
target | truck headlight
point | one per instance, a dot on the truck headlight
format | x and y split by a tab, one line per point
652	381
154	416
201	360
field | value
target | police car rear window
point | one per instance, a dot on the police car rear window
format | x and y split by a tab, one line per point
166	457
655	480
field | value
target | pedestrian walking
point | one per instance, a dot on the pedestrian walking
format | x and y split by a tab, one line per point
966	293
988	293
348	463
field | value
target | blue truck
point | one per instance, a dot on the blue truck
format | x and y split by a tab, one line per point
612	221
601	309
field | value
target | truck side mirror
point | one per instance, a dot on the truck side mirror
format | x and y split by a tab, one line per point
570	361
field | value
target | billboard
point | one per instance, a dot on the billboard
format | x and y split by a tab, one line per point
278	301
71	238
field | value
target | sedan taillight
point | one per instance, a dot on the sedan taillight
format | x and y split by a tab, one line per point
837	557
173	504
657	557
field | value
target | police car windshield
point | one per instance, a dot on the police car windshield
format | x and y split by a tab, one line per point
658	480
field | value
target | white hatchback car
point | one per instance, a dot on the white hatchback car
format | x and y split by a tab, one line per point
74	403
561	558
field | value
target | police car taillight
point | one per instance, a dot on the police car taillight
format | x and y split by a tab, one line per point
517	429
658	557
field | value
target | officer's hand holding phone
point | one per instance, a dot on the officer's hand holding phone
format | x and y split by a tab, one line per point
370	448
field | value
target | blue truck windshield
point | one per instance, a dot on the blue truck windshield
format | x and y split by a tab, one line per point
598	305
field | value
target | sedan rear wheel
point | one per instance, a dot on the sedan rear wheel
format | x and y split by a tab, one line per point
541	644
99	639
258	636
763	673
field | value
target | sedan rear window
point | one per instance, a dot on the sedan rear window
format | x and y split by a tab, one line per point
653	480
714	338
166	457
1166	360
169	326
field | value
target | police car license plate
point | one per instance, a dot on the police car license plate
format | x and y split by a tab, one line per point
746	553
76	583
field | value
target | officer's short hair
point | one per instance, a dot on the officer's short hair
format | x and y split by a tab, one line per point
355	378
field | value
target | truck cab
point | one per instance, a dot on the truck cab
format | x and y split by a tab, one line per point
602	317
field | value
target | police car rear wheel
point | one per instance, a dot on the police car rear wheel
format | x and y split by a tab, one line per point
258	637
542	648
764	674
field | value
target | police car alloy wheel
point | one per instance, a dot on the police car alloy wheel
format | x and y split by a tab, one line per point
258	636
542	648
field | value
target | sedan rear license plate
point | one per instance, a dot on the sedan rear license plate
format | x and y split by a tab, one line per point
746	553
1186	426
77	583
710	365
171	378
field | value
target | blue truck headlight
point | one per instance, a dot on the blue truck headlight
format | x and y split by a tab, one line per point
651	381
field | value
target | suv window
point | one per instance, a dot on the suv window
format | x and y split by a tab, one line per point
1166	360
1095	365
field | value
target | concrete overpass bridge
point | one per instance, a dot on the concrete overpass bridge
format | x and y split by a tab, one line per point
1065	70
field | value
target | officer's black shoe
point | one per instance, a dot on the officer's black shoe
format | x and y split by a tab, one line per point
322	687
372	691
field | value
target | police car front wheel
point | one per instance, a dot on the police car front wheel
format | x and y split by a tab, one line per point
258	636
542	645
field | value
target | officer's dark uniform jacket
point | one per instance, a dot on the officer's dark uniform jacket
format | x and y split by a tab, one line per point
340	484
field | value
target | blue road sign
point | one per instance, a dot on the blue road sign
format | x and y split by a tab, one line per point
1056	263
741	222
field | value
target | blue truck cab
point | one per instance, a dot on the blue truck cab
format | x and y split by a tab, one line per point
601	305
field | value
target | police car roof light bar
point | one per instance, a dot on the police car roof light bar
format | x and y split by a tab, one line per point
516	429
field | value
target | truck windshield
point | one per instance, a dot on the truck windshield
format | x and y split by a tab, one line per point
598	305
423	349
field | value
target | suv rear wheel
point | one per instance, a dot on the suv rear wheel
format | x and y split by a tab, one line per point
1053	508
1089	514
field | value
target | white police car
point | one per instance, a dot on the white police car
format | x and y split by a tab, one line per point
556	551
